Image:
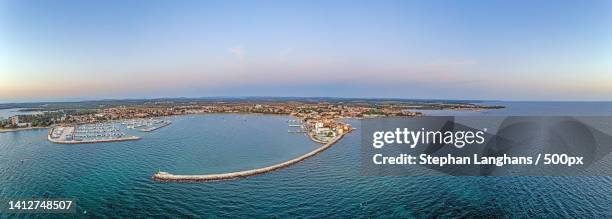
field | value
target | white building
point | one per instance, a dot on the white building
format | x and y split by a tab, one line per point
24	124
14	120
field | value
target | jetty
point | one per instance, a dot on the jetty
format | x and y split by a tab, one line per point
168	177
150	129
87	141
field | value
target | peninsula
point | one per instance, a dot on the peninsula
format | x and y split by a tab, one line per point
320	118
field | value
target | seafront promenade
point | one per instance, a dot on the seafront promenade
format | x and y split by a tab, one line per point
168	177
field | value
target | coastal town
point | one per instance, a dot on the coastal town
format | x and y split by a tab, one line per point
322	121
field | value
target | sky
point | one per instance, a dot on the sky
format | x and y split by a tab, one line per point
472	49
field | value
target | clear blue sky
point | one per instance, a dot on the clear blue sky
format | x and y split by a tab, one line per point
508	50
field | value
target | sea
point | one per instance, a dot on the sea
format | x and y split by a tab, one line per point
114	179
6	113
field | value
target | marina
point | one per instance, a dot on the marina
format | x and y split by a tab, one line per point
103	132
295	126
88	133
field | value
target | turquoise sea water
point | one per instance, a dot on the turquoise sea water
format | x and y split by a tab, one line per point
114	179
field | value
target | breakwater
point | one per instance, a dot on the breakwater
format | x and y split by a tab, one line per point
168	177
128	138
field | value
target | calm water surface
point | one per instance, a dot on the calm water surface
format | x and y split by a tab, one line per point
6	113
114	179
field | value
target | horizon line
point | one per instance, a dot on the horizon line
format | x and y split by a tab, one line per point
77	100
